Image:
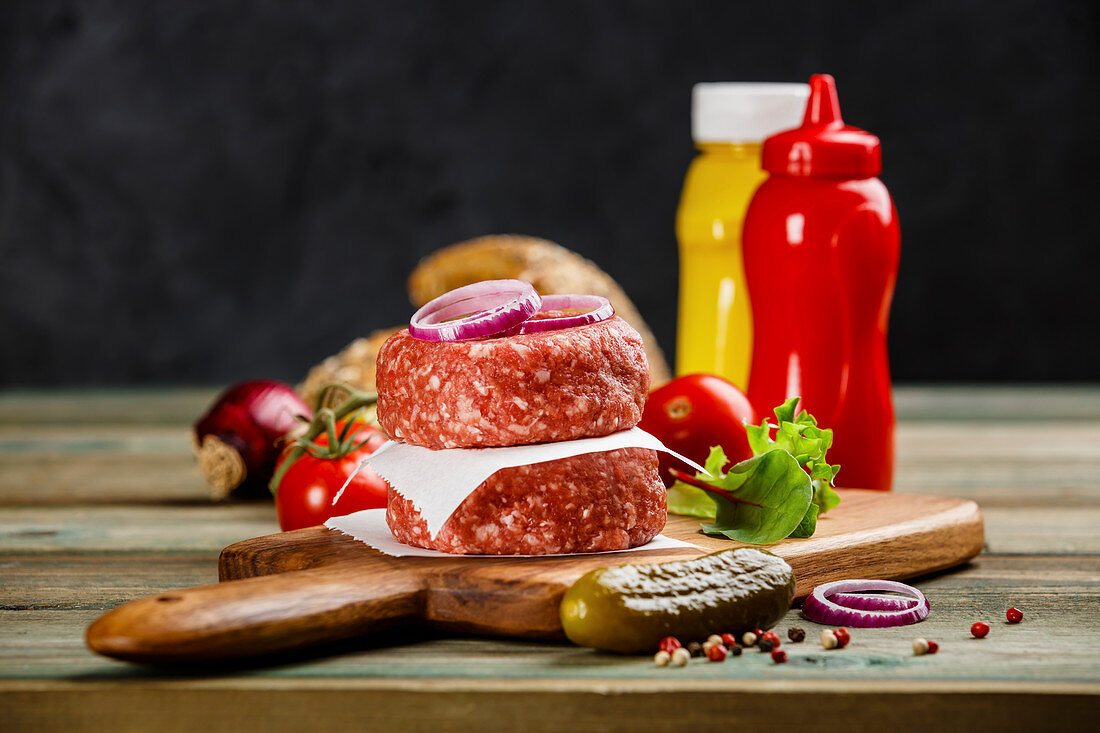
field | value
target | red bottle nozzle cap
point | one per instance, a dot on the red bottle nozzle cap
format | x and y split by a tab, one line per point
824	146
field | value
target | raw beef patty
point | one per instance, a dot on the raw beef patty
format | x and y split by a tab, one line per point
570	383
588	503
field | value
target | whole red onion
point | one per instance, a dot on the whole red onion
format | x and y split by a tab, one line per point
235	441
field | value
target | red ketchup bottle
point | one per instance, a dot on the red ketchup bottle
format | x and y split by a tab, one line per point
821	248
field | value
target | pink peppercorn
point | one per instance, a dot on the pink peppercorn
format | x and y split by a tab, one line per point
669	644
716	652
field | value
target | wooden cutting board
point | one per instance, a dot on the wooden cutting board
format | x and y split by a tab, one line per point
296	589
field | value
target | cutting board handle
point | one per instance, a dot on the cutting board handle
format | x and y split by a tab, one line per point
260	615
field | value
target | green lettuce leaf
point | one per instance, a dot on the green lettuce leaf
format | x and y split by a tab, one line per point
824	499
683	498
691	501
772	495
808	525
779	492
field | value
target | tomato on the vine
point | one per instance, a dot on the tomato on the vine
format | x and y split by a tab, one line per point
692	413
305	489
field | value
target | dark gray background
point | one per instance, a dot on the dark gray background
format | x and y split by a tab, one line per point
205	191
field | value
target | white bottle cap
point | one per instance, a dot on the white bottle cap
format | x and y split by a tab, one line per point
745	112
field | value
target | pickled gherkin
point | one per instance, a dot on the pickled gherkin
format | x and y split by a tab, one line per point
630	608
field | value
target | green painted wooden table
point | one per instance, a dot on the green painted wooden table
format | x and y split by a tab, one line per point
99	504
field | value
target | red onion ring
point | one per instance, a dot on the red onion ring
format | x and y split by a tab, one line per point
819	607
480	309
873	601
597	308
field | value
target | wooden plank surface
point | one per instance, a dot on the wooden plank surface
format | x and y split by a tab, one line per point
1051	589
99	504
442	706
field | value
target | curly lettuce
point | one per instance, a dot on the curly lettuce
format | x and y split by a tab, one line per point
780	492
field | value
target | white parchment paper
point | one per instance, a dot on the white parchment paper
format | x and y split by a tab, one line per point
436	482
369	527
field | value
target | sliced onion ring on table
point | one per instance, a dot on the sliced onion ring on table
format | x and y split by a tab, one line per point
821	605
481	309
873	601
594	309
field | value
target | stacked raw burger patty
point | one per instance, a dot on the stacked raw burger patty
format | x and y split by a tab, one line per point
580	382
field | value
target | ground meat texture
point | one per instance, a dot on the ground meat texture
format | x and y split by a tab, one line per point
558	385
588	503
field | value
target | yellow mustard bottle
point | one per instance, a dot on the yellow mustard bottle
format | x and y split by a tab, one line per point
729	122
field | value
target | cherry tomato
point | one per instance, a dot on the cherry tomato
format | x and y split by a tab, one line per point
305	492
692	413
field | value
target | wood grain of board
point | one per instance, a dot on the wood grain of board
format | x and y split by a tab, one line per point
315	585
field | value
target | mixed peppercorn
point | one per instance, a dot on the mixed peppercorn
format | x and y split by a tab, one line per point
835	638
925	646
718	647
979	630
